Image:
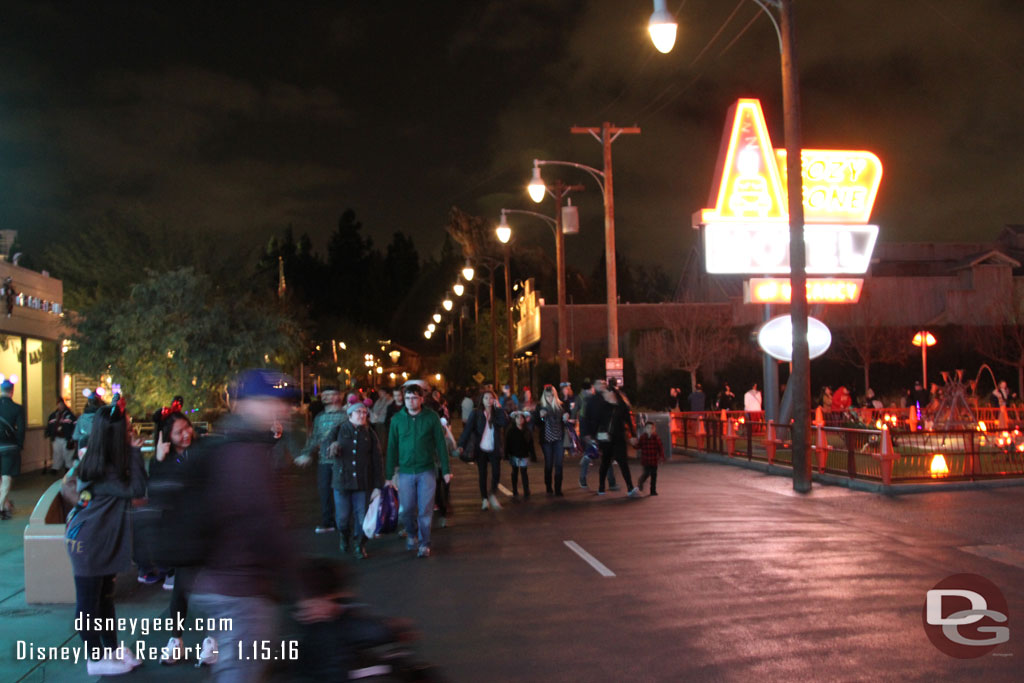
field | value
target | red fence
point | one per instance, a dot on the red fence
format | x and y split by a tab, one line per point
896	456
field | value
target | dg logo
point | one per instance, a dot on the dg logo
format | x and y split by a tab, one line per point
965	616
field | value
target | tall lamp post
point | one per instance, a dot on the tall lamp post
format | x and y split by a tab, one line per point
537	189
661	27
504	232
924	339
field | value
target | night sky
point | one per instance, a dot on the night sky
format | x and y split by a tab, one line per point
239	119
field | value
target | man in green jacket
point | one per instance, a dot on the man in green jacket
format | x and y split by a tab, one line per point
415	440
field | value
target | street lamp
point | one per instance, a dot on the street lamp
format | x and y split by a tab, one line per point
662	28
924	339
800	376
458	288
504	232
467	271
559	191
431	327
536	188
427	333
437	317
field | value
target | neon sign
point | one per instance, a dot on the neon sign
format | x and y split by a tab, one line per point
761	290
747	231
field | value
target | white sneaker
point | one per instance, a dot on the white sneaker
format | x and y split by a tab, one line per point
172	653
128	657
483	504
495	505
209	654
635	493
169	582
107	667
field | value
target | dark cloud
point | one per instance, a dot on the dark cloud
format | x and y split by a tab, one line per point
243	119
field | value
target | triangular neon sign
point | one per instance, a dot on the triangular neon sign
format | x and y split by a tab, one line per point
747	179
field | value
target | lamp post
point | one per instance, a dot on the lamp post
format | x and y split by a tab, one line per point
504	233
537	189
924	339
799	378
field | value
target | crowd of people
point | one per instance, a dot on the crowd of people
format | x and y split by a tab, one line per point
202	514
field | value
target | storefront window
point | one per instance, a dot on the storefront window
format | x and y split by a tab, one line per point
40	371
10	362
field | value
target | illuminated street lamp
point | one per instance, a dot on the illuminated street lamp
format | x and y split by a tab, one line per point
800	376
427	333
662	28
924	339
468	272
446	305
536	188
431	327
504	232
458	288
437	317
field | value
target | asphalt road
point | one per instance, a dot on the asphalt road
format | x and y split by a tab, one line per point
727	575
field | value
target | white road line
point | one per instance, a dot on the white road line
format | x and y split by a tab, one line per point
501	487
589	559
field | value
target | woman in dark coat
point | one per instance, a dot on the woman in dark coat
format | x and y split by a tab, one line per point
358	475
99	535
486	429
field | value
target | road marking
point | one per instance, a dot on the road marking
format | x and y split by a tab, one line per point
589	559
501	487
999	553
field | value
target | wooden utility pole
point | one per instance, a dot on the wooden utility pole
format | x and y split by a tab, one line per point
606	135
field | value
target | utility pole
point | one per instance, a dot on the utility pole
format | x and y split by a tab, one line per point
606	135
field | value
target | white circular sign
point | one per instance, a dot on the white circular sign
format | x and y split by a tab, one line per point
776	337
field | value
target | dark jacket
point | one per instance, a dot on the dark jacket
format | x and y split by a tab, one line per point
519	442
359	461
13	432
250	551
614	419
60	424
550	425
474	429
99	536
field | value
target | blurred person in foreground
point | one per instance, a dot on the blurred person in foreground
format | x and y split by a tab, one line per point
415	441
250	554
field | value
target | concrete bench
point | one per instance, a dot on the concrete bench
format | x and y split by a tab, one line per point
48	577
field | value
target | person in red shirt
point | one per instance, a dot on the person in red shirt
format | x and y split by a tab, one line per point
652	452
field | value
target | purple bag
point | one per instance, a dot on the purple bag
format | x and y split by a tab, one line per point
387	521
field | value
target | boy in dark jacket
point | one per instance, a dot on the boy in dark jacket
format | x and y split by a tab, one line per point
652	452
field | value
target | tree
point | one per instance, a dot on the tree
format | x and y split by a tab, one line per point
175	333
693	336
865	345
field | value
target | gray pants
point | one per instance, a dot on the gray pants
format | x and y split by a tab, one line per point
62	457
253	621
585	467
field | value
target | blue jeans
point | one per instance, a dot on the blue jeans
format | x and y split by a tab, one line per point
350	504
253	619
324	476
554	453
585	464
416	497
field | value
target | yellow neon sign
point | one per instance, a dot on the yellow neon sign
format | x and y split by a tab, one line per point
839	186
819	291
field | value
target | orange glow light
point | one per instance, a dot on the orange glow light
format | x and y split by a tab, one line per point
819	290
939	468
929	340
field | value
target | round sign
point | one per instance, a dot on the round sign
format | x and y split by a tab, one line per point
776	337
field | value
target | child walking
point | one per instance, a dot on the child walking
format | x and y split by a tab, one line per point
651	453
519	447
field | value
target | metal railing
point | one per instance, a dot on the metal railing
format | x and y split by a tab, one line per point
896	456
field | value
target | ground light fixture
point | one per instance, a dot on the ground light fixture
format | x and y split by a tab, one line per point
458	288
447	303
536	188
662	28
468	272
